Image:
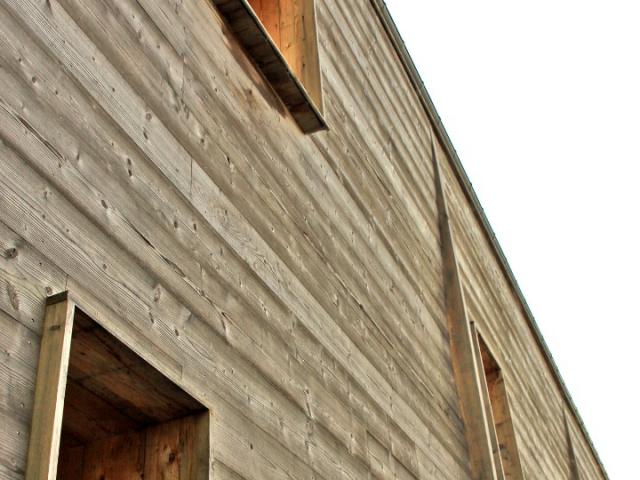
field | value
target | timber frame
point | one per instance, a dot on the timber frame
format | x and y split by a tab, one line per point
456	165
574	470
178	445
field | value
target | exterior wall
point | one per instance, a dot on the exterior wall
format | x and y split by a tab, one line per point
291	283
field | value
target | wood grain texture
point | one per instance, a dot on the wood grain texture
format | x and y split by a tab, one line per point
118	458
135	424
467	362
574	470
291	283
478	212
167	451
280	36
48	405
112	391
535	398
498	399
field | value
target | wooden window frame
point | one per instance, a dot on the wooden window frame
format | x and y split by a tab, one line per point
483	441
497	410
51	380
299	85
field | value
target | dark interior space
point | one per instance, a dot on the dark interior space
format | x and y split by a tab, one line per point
123	419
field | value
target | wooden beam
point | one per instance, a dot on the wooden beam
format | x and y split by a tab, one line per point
464	359
46	423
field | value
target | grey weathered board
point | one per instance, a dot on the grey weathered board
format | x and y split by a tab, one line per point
291	283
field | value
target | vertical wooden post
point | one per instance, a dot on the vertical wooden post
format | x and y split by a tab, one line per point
51	380
202	447
465	362
310	73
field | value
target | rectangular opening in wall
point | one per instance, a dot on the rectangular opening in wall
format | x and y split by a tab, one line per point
291	26
281	38
120	417
500	414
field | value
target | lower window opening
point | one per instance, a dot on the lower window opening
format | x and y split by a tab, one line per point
122	418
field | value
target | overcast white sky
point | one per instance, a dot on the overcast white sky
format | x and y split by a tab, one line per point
542	102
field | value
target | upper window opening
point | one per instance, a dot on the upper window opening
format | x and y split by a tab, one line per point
281	38
499	414
291	26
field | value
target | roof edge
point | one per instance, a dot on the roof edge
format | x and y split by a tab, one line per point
418	84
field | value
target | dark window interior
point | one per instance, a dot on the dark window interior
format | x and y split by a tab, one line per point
123	419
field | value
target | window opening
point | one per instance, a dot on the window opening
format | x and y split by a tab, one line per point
502	433
281	38
291	26
108	413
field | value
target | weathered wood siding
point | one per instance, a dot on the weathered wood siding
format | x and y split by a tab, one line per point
538	406
291	283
